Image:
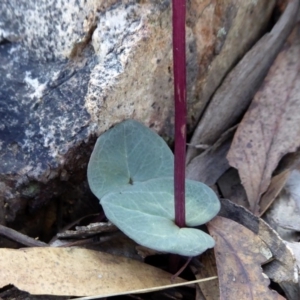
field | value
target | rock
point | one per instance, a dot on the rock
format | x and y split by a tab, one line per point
72	69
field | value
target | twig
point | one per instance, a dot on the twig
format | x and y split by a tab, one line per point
93	240
20	237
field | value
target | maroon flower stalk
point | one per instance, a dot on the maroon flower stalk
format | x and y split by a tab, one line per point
179	65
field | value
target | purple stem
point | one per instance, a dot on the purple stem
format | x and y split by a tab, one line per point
179	63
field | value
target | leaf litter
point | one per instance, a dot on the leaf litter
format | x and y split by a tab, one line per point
283	216
256	237
239	255
271	127
76	272
284	213
231	188
208	166
276	185
283	267
203	268
234	95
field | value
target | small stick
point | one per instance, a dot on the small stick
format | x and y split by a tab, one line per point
20	237
84	242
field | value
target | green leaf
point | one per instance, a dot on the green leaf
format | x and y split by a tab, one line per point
145	212
128	153
131	171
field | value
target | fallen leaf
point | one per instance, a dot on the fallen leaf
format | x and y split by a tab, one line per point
283	216
212	163
206	267
271	126
76	272
293	186
286	175
290	161
296	250
235	93
292	290
276	185
148	290
199	295
239	255
231	188
283	266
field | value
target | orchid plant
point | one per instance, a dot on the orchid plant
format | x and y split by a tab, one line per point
140	185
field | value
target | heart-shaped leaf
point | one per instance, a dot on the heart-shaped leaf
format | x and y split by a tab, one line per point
128	153
130	171
145	212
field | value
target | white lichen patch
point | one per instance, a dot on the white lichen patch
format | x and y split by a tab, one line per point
49	141
14	49
37	87
27	143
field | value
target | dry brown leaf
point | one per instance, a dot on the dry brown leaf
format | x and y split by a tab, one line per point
283	267
296	250
293	186
231	188
199	295
271	126
284	217
212	163
207	268
76	272
239	255
235	93
276	185
290	161
148	290
291	290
